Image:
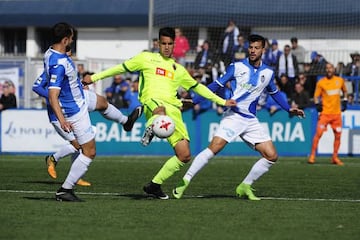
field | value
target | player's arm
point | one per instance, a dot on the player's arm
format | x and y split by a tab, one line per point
317	95
279	99
56	76
217	84
131	65
40	85
344	101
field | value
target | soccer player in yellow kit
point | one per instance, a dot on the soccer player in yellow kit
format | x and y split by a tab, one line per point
160	78
328	89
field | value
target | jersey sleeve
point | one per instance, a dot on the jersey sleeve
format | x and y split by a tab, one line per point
57	75
131	65
40	85
228	75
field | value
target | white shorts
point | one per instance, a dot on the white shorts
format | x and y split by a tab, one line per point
67	136
249	129
81	125
90	99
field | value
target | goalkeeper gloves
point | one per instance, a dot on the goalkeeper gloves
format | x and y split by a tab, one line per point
344	103
318	107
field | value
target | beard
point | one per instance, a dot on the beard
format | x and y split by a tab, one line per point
67	48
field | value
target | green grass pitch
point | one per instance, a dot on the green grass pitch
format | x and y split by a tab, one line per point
300	201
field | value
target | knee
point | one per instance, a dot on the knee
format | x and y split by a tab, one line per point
90	153
185	158
160	110
271	156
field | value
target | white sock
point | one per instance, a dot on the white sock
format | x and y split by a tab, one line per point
64	151
78	169
75	155
258	169
199	162
114	114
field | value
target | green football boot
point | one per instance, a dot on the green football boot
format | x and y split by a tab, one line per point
180	188
245	191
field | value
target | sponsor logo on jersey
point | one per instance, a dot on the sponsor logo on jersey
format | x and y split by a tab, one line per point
53	78
164	72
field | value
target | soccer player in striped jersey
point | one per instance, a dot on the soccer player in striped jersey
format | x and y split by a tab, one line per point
160	78
94	102
248	79
327	98
67	100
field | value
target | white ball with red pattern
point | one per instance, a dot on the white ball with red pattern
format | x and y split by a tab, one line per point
163	126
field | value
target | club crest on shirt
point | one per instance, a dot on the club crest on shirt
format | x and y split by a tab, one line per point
262	79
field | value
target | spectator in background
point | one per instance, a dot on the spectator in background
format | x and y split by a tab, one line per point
131	97
240	51
285	85
181	47
340	69
80	69
308	86
205	61
8	98
155	45
229	42
267	56
318	64
353	68
299	52
287	64
275	53
300	98
116	92
203	106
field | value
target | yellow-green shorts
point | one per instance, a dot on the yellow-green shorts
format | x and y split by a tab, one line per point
172	111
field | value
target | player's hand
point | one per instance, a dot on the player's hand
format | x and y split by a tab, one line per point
297	112
230	103
318	107
86	80
66	126
187	104
344	103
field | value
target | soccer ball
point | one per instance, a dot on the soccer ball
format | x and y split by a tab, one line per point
163	126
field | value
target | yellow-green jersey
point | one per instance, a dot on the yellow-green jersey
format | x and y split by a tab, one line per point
160	77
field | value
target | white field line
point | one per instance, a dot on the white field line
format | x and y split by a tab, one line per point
188	196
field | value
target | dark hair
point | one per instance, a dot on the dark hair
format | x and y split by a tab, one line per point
256	38
60	31
294	40
167	32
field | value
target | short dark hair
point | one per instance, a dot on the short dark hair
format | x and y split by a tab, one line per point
60	31
294	40
256	38
167	32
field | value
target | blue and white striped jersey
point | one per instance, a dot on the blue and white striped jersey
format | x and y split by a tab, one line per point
247	83
40	86
63	75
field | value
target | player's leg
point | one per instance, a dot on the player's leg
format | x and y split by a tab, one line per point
202	159
336	126
320	129
257	138
179	140
171	166
219	141
152	109
85	135
52	160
